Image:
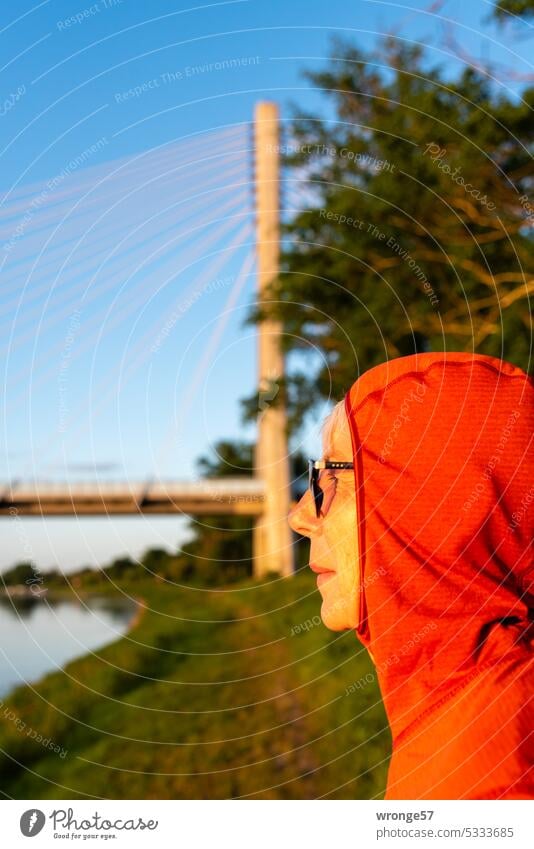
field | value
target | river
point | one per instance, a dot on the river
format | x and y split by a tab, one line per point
41	635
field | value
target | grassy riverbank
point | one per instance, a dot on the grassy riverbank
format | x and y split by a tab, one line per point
212	694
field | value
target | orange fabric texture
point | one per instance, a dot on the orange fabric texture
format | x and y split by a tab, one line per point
442	444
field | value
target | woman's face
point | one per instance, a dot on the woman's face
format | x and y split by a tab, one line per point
334	545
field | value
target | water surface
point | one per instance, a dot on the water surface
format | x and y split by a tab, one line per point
41	635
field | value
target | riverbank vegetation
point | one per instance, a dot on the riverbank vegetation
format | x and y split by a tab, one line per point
238	691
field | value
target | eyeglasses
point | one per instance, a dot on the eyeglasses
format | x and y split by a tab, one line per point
314	467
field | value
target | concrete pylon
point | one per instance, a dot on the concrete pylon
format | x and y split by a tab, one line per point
272	538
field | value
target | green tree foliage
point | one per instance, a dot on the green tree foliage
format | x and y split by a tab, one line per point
416	233
522	8
228	459
120	568
162	565
221	546
21	573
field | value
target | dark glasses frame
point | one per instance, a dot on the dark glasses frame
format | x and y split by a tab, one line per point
314	467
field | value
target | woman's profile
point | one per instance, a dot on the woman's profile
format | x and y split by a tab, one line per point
420	517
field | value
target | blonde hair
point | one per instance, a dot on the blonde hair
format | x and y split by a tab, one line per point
336	419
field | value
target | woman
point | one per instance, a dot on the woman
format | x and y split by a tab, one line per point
422	542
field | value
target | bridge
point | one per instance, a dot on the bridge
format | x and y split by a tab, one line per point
266	494
226	496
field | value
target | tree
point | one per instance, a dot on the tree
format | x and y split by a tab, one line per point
120	568
21	573
417	231
154	559
221	546
505	8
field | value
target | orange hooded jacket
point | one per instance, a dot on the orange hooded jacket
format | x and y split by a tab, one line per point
442	444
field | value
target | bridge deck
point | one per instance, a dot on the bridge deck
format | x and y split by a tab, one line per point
227	496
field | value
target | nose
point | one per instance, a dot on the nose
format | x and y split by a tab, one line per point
302	518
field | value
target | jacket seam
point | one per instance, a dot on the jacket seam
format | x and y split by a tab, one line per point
418	372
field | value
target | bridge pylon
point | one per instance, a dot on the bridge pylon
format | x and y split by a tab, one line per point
272	538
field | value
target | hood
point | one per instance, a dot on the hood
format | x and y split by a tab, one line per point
443	472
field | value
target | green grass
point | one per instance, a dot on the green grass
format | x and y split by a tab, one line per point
211	695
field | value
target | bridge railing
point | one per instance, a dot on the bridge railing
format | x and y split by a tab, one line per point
239	495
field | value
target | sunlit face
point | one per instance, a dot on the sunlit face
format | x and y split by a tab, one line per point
334	546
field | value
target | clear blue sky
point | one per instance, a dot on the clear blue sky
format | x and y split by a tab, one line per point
68	72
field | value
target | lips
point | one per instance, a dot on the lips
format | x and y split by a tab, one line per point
319	570
324	578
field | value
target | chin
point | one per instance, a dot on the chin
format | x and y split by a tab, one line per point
333	619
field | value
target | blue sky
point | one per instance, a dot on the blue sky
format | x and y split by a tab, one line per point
128	85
